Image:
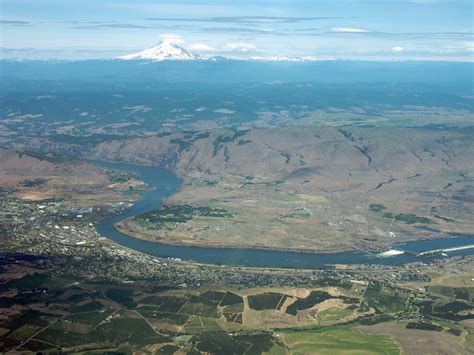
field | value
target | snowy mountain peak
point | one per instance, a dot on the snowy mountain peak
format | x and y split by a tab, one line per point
167	50
163	51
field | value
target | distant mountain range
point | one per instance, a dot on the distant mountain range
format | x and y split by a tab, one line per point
170	51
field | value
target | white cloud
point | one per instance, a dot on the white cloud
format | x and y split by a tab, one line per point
240	46
200	47
172	38
225	111
398	49
348	30
469	47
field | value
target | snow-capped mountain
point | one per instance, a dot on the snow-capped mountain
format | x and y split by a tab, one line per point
170	51
163	51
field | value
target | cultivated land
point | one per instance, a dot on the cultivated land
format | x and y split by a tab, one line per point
419	341
73	313
309	189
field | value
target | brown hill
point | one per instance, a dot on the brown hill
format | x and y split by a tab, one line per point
311	188
36	176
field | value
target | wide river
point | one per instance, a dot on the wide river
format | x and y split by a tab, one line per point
164	183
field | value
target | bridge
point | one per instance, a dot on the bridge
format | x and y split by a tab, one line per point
447	250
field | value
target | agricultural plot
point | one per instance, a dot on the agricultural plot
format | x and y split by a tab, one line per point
233	317
36	346
313	299
154	313
101	328
233	313
231	298
215	296
30	317
193	325
200	306
421	340
333	314
66	339
121	296
453	307
463	293
196	325
74	295
213	321
92	318
338	340
27	282
424	326
130	330
87	307
264	301
259	342
73	327
218	343
168	349
210	325
23	332
169	304
386	299
442	309
234	308
223	343
453	310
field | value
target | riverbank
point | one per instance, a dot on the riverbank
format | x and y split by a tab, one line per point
126	227
164	184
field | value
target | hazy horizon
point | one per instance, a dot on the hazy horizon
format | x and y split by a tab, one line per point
356	30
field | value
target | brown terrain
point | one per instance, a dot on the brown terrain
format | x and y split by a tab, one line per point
420	341
38	177
309	188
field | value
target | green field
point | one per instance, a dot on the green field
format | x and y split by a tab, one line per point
154	313
200	306
220	322
69	339
198	325
165	303
338	340
386	299
223	343
465	293
92	318
136	332
333	314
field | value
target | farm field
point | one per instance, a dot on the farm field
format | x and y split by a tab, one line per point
339	340
325	319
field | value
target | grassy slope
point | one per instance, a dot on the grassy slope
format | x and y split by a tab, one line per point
338	340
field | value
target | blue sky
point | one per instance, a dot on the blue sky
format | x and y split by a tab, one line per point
346	29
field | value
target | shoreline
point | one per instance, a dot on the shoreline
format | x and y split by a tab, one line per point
124	228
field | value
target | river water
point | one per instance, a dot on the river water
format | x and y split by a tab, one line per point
164	183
